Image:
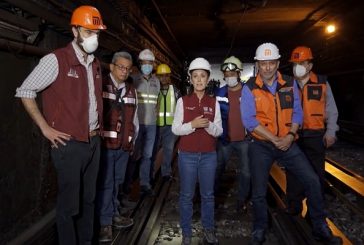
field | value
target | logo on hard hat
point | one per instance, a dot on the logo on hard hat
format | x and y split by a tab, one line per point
96	20
296	55
267	52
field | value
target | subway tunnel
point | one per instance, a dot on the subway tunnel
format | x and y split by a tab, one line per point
176	32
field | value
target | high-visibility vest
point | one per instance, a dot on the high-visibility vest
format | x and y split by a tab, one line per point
167	106
274	112
313	96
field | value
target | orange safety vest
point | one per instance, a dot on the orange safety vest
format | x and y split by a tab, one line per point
274	112
119	113
313	97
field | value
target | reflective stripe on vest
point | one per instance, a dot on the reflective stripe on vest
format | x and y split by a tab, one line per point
167	106
110	134
222	99
107	95
147	98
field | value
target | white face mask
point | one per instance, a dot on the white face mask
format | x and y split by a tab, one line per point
90	44
231	81
299	70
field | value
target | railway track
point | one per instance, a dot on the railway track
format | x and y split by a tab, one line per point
287	229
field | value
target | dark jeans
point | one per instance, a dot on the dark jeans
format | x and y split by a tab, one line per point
111	176
262	155
165	139
314	149
77	165
224	153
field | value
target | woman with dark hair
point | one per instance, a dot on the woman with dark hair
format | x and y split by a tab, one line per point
198	121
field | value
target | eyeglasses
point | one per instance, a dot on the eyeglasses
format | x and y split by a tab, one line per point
122	68
229	67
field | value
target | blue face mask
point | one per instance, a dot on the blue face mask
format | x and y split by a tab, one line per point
147	69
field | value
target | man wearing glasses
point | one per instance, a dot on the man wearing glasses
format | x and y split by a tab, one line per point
120	130
233	136
71	85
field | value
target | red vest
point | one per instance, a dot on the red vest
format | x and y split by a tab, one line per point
65	101
200	140
119	113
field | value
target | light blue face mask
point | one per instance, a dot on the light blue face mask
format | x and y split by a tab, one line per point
147	69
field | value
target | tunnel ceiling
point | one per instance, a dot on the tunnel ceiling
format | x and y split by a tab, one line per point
217	28
179	30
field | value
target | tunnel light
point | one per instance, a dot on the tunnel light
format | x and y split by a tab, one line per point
330	28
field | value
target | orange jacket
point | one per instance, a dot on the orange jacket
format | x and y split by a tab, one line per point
313	97
274	112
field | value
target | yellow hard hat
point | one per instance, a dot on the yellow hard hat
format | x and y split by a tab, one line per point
163	69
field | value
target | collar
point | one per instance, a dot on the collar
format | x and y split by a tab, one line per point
81	56
116	84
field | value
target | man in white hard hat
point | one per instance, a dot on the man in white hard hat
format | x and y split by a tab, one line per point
232	139
272	113
148	87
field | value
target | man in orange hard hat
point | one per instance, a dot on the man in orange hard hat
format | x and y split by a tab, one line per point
71	85
319	126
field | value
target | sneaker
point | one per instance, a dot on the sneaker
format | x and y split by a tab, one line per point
105	234
323	234
210	237
146	191
121	222
186	240
258	237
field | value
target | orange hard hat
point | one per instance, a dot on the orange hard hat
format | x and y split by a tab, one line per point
301	53
88	17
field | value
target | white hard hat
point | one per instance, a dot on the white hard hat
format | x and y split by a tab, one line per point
146	54
199	63
267	51
232	64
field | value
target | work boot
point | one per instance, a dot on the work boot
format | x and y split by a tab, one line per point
127	203
241	206
258	237
186	240
105	234
323	234
294	208
210	237
121	222
146	191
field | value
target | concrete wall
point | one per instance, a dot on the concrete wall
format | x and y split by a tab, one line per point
27	180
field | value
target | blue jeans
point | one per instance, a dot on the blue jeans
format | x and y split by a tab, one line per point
165	139
195	167
262	155
144	144
111	175
243	176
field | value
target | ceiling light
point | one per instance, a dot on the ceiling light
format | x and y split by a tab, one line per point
330	28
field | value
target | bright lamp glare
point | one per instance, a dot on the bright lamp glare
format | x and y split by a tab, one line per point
330	28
